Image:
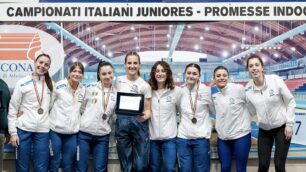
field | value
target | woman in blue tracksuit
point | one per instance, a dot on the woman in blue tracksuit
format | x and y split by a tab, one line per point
194	130
65	119
98	107
132	132
163	122
28	117
233	122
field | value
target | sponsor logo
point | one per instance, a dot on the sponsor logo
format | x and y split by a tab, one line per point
20	45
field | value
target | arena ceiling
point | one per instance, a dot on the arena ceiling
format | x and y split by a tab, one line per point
228	40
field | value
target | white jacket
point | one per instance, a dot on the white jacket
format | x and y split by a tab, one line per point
65	112
233	119
163	123
273	104
91	120
202	129
24	102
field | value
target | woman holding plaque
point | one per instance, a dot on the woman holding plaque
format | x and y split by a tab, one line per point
28	117
272	102
233	122
163	122
98	107
195	127
65	119
132	132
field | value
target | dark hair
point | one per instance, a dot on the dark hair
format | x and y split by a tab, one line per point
253	57
100	65
169	80
75	65
132	53
219	68
48	79
193	65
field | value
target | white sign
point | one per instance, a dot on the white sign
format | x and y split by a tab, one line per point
153	11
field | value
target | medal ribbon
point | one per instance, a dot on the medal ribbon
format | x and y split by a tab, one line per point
36	91
105	102
194	105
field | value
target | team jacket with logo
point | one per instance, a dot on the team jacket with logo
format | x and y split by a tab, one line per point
65	112
163	123
273	104
139	86
202	129
233	119
24	105
91	120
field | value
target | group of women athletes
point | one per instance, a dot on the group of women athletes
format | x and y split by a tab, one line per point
66	121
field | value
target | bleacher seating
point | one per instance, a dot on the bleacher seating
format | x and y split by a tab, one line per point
294	84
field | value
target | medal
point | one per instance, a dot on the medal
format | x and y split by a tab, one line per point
194	120
40	111
105	100
193	105
104	116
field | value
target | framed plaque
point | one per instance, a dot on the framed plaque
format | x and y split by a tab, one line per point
129	104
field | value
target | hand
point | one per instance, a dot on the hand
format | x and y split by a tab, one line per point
14	140
142	118
288	132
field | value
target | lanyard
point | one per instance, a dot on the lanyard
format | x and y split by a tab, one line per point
105	101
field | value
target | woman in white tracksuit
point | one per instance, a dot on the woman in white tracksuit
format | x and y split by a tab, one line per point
65	119
99	104
28	117
163	122
233	122
195	127
272	102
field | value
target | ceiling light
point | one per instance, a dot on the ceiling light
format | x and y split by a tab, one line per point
88	29
135	38
168	35
243	38
97	38
132	28
234	46
207	28
137	47
256	28
188	26
292	48
168	45
109	54
103	46
196	47
201	38
225	54
275	55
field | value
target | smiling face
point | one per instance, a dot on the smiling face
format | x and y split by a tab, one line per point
160	74
76	74
132	65
42	65
255	68
221	78
106	74
192	75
